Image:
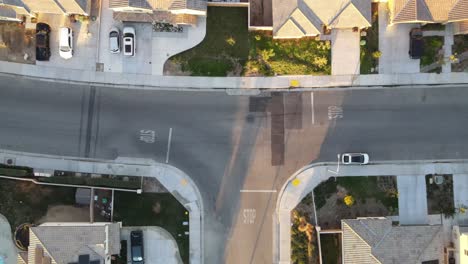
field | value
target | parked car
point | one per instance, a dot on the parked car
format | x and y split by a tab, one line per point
114	40
42	42
355	158
66	43
416	43
136	244
129	41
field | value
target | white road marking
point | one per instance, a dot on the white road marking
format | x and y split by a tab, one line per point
257	191
169	145
313	107
335	112
147	136
249	216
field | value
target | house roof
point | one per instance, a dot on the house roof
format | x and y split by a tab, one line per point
432	11
65	243
43	6
7	12
160	4
372	240
298	18
81	7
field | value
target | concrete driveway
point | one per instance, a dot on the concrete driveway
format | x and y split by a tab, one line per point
394	45
158	245
460	196
412	200
345	52
7	248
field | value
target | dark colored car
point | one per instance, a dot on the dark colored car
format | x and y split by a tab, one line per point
416	43
42	42
136	243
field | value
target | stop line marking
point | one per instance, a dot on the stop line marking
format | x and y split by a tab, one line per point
257	191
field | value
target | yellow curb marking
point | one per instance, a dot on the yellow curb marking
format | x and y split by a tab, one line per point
296	182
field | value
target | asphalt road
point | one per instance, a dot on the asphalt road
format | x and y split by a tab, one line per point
238	149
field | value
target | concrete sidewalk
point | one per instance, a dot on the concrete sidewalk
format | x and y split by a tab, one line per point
306	179
174	180
144	81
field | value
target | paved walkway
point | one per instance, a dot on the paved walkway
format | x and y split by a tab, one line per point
7	247
448	43
144	81
305	180
173	179
345	52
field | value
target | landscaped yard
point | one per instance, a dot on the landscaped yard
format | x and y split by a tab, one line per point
432	45
460	46
440	195
351	197
230	49
154	209
25	202
370	53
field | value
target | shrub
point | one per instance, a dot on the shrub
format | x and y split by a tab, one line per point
349	200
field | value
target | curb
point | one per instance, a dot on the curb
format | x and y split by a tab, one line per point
323	165
143	166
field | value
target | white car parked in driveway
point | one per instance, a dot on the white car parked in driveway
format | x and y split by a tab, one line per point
129	41
114	40
355	158
66	43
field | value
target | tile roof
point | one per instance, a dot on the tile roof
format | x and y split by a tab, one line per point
160	4
64	243
298	18
431	11
374	240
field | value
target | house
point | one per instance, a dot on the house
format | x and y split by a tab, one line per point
15	9
301	18
460	238
430	11
175	12
377	240
71	243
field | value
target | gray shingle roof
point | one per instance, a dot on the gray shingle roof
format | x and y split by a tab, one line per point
66	243
390	244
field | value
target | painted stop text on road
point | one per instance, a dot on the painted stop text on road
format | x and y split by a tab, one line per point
249	216
335	112
147	136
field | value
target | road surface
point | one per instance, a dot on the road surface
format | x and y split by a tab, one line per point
238	149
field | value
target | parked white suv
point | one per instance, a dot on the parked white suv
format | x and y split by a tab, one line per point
129	41
355	158
66	43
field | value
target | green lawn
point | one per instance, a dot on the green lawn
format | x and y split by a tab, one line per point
360	188
225	44
154	209
230	48
432	45
25	202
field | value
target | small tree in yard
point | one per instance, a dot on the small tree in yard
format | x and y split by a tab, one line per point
302	240
349	200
